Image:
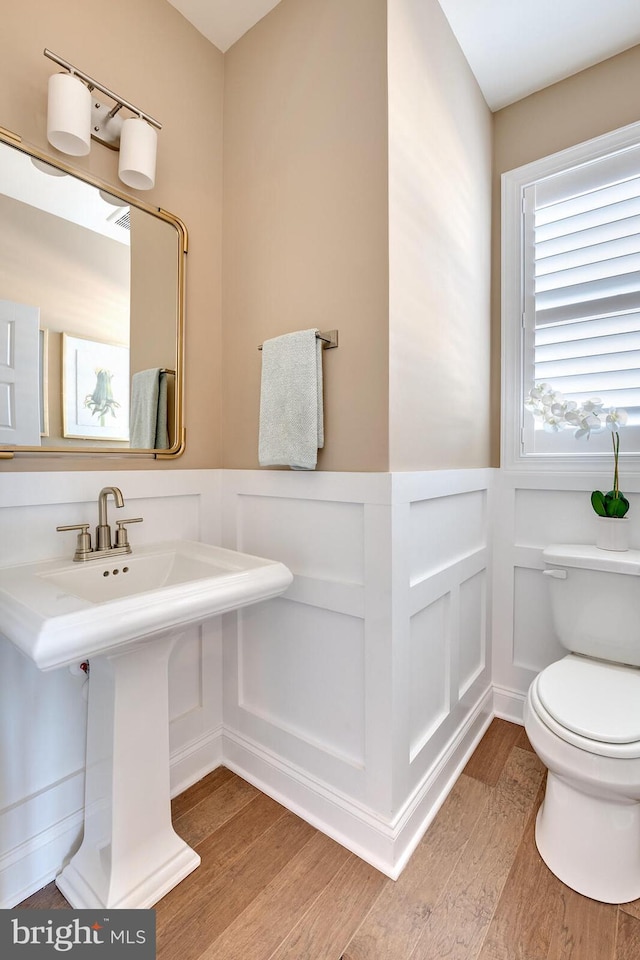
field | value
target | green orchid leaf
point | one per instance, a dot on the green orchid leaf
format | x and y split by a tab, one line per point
616	506
598	503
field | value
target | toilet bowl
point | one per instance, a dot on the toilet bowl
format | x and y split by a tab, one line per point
582	716
588	826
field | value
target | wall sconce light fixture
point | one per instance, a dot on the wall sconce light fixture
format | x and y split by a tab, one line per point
75	116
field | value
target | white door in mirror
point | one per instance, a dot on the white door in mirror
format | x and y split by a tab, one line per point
20	383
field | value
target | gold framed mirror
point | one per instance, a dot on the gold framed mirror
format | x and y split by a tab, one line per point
92	288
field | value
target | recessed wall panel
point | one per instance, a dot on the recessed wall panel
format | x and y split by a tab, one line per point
534	640
554	516
429	660
314	538
444	530
166	518
43	719
472	637
302	669
185	674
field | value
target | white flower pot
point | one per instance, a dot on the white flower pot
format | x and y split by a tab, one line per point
612	533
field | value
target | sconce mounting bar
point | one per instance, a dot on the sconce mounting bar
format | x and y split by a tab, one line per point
93	84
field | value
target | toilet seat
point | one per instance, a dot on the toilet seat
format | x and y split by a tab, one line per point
591	704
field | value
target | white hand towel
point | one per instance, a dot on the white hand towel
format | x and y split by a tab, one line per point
291	409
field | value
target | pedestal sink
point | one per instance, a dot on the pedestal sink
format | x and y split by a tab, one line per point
125	615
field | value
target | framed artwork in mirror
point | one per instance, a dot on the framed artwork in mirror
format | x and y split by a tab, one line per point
95	389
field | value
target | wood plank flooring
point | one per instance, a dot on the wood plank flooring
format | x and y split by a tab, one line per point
271	887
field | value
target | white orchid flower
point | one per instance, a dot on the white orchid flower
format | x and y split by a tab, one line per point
539	390
573	417
595	422
593	406
586	418
553	424
584	430
616	418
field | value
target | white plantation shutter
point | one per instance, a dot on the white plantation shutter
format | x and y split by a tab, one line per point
581	292
585	260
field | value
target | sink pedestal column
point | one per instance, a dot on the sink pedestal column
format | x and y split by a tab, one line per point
130	855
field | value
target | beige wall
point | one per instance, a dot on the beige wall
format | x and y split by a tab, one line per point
305	217
357	158
337	211
148	53
440	132
584	106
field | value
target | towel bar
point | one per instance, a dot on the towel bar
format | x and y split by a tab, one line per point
329	339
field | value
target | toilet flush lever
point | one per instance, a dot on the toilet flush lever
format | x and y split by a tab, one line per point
556	574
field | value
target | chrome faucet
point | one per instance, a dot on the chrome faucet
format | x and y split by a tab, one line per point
103	546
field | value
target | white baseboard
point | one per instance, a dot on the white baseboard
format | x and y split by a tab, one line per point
36	862
423	806
508	704
351	824
386	845
194	761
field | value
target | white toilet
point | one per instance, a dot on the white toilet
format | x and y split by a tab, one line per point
582	716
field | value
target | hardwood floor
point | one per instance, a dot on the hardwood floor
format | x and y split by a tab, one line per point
271	887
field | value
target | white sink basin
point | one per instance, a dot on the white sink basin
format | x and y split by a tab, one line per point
58	612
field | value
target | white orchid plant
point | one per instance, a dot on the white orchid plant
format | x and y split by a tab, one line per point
586	418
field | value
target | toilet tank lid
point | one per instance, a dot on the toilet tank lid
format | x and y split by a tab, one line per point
589	557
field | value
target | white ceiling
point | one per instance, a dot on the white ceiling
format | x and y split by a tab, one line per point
223	21
514	47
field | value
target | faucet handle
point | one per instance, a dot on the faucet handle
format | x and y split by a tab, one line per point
83	543
121	534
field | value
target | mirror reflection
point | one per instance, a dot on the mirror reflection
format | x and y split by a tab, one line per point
91	287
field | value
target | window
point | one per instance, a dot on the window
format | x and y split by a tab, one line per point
571	291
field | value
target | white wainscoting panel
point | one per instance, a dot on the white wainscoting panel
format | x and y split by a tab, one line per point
288	525
324	651
450	557
472	654
429	672
43	715
444	529
534	640
551	516
356	697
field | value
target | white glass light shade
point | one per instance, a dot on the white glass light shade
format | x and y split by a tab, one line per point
69	115
138	144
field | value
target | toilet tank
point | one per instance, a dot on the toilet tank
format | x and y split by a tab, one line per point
595	600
